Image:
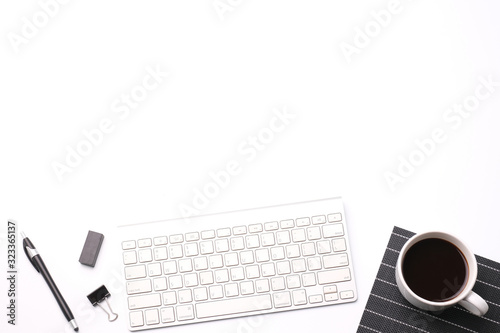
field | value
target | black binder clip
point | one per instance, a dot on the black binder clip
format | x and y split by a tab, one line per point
99	295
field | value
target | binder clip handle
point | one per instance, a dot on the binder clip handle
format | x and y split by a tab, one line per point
100	295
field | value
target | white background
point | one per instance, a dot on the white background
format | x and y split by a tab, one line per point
353	122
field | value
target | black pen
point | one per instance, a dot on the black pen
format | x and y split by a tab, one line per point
37	262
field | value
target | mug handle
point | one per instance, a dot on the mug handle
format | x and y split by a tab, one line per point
475	304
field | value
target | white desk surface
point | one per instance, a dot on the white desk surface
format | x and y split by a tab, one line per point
352	123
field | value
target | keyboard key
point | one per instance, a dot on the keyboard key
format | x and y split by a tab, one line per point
169	298
293	281
253	228
283	237
262	255
247	288
135	272
246	257
216	261
145	255
207	247
335	260
330	289
185	296
231	289
252	272
278	283
191	280
303	221
138	287
191	249
320	219
127	245
252	241
308	249
346	294
200	263
192	236
206	278
167	315
175	281
268	269
262	285
331	297
144	301
208	234
267	239
200	294
160	240
231	259
308	279
314	263
298	235
292	251
299	297
333	276
337	217
339	244
233	306
282	300
237	243
129	257
174	239
154	269
298	265
221	276
224	232
185	265
145	242
169	267
241	230
313	233
221	245
333	230
160	284
216	292
185	312
175	251
283	267
136	319
237	273
286	224
160	253
271	226
278	253
323	247
152	317
315	299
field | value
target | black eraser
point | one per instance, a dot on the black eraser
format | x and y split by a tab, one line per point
91	248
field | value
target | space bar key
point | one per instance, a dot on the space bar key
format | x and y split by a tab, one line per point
233	306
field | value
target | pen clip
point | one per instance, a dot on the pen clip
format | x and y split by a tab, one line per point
30	251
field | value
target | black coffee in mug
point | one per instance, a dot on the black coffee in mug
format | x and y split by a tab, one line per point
435	269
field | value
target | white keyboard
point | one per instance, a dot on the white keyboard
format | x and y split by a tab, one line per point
228	265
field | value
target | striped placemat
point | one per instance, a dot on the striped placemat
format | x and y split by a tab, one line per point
387	311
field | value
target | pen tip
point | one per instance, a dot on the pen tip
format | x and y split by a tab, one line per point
76	329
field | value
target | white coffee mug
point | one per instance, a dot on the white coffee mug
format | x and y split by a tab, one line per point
466	298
